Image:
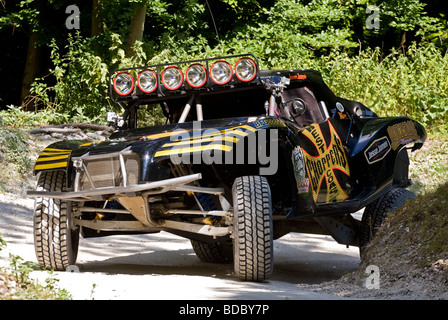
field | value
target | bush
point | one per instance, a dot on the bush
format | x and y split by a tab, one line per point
17	117
15	162
81	75
412	84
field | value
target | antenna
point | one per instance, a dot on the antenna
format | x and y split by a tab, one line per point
213	19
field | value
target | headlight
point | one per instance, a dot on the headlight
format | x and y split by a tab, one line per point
147	81
221	72
196	75
123	83
172	78
245	69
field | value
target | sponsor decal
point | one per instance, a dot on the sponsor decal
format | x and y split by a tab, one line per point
377	150
402	133
297	76
326	163
268	123
298	163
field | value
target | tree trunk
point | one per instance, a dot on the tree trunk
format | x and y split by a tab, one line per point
97	21
136	28
401	47
31	66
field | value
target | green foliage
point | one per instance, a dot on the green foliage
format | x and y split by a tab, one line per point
15	161
327	35
81	80
17	117
29	289
20	269
405	15
2	243
23	16
14	150
430	165
82	76
411	84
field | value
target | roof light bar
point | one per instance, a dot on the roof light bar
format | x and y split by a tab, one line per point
159	79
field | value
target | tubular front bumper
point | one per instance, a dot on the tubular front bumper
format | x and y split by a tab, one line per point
156	187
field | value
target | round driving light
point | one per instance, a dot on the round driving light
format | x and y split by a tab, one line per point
172	78
245	69
147	81
221	72
123	83
196	75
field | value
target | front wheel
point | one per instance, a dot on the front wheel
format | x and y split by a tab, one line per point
55	240
253	238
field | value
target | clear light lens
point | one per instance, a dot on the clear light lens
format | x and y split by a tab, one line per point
221	72
196	75
123	83
147	81
245	69
172	78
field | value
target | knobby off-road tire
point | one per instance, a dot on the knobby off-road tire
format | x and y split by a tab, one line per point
376	212
253	238
220	252
55	243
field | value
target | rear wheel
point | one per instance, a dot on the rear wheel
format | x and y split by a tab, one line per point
220	252
55	239
253	238
376	212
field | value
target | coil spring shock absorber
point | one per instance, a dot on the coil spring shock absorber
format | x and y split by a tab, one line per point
206	201
207	204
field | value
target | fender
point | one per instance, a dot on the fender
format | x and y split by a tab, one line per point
381	149
57	155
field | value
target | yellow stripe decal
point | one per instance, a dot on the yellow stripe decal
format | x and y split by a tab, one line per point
200	140
56	150
233	131
43	154
50	166
186	145
42	159
192	149
164	134
248	128
86	144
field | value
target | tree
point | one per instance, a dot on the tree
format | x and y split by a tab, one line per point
97	20
136	28
24	18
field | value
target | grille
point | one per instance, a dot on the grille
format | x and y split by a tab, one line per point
119	169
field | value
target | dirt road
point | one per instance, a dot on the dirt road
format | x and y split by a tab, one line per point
164	266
